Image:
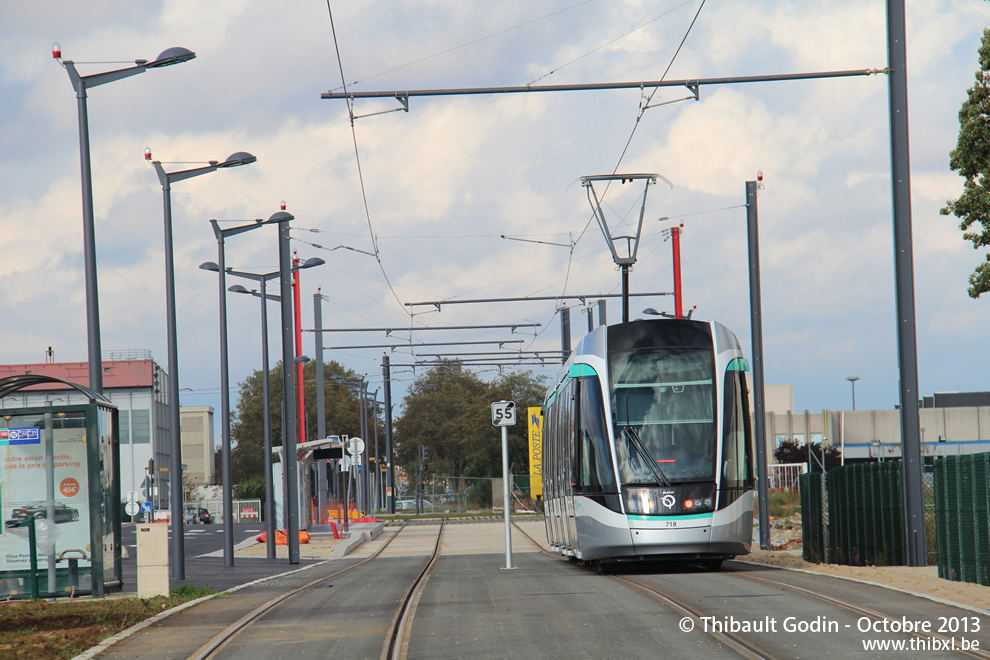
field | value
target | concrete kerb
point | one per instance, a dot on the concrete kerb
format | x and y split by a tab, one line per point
360	532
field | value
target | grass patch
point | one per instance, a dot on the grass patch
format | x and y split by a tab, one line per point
43	629
192	592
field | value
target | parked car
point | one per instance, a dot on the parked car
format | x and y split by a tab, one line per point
410	505
199	514
63	512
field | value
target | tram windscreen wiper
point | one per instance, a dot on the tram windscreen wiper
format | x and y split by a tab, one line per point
645	455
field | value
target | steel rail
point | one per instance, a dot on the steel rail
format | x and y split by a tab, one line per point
737	643
853	607
397	640
221	640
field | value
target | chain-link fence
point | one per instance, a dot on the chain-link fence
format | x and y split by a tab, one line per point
962	514
854	515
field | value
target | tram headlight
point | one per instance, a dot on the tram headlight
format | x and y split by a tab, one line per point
653	501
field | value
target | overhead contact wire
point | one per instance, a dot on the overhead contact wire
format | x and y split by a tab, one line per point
357	157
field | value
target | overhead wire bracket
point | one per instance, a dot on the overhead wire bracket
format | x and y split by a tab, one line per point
403	99
694	88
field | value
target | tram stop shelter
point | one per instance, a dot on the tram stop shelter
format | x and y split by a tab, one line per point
309	488
59	495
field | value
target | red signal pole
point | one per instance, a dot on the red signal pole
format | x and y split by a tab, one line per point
675	234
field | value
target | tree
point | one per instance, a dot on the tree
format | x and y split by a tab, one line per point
448	410
343	412
790	451
252	488
971	159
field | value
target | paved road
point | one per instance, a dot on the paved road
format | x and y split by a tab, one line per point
199	539
204	558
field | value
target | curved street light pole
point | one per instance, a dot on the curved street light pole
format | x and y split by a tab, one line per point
177	563
281	219
81	84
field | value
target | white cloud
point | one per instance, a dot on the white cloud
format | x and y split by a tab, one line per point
446	179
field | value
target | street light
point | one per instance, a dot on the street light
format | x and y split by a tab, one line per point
281	219
265	296
175	471
81	84
852	381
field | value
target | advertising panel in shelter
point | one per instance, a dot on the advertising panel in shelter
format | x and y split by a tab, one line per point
24	484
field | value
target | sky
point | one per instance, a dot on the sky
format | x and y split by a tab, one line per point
433	190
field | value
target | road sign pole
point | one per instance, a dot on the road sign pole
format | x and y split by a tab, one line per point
504	415
506	502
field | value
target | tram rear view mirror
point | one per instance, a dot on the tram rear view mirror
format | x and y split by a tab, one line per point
738	364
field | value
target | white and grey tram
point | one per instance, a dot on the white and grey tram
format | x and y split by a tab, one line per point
647	447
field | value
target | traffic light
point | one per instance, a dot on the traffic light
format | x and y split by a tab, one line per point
424	467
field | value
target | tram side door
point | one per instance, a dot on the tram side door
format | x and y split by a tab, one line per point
572	411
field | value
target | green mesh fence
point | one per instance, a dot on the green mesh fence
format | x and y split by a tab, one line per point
962	512
812	517
860	520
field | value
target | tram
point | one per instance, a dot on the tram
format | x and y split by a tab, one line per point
647	446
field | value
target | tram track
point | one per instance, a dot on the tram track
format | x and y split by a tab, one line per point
738	642
854	608
396	638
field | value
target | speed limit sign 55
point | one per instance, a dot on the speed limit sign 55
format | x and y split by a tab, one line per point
504	413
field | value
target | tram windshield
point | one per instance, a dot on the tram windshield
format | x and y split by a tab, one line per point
663	406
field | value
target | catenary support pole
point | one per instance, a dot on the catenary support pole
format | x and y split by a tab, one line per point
290	467
756	328
907	345
390	492
565	331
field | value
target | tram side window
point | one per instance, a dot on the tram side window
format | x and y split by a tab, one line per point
591	442
737	456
